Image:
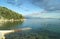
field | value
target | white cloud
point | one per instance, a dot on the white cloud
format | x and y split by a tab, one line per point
49	5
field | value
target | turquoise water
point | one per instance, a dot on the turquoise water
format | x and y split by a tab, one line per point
41	29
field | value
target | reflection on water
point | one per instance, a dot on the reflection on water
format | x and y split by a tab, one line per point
9	25
41	29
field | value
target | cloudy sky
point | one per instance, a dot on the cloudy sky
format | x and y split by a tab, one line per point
32	6
20	6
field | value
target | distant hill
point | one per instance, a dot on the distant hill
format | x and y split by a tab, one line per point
43	15
33	16
6	13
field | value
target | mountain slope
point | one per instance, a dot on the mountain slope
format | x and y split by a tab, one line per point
9	14
33	16
43	15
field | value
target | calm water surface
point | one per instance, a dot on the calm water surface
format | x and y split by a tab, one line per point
42	28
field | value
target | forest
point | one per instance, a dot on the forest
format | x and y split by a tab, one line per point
6	13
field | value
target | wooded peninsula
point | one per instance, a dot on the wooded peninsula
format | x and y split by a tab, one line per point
9	15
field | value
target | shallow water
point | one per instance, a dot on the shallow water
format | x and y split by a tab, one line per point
41	28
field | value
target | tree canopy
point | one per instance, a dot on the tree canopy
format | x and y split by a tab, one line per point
9	14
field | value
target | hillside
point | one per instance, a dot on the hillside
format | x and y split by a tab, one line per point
6	13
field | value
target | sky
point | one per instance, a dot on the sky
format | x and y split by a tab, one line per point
26	7
21	6
48	5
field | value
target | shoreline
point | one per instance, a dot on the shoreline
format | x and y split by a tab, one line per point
3	32
6	20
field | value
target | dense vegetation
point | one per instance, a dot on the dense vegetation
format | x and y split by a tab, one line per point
9	14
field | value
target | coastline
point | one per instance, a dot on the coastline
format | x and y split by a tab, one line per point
6	20
3	32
